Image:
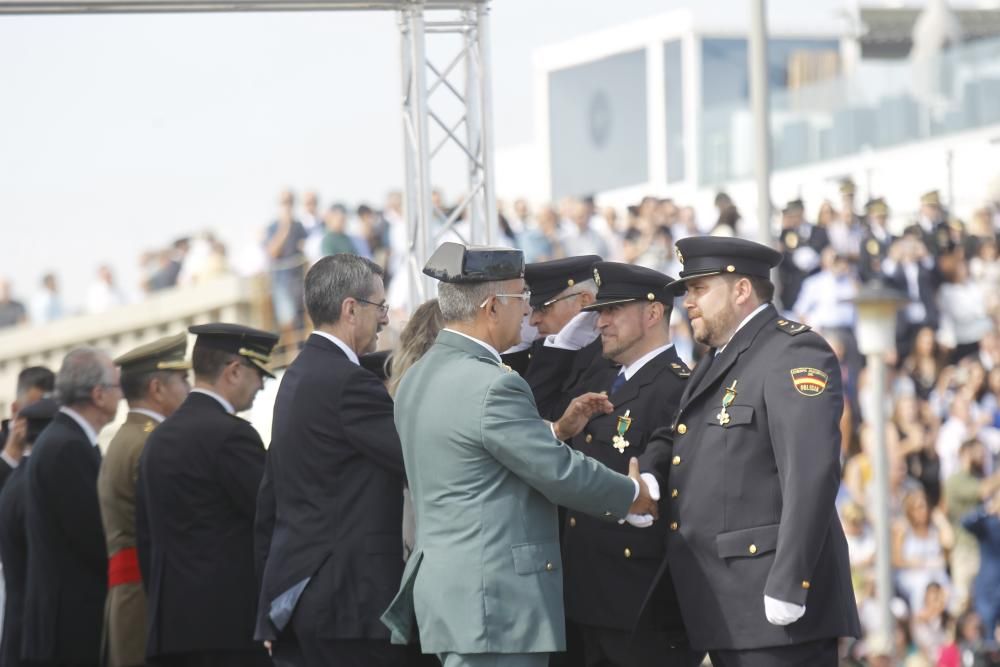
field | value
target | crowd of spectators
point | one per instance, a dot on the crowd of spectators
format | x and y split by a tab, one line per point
943	434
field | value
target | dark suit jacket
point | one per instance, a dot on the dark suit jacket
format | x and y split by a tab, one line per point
330	509
609	567
927	284
751	509
68	567
14	555
791	276
198	479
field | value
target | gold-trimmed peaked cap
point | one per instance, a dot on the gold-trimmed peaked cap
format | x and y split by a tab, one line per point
252	344
623	283
547	279
163	354
712	255
457	263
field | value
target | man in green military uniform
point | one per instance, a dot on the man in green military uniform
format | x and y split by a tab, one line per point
484	583
154	382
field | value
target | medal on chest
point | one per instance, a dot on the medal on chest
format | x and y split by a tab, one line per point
618	441
727	400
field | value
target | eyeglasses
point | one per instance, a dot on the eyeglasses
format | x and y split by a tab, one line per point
383	308
548	304
525	295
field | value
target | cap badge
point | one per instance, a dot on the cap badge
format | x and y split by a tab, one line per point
618	441
680	257
809	381
597	277
727	400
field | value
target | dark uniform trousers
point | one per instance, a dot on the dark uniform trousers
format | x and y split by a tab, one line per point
254	658
608	568
820	653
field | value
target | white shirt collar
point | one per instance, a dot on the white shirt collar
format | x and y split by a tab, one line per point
223	402
342	345
152	414
489	348
83	423
743	324
637	365
9	459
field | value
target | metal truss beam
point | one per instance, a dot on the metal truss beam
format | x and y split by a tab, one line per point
421	79
424	84
188	6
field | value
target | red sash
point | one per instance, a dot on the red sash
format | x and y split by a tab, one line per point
123	567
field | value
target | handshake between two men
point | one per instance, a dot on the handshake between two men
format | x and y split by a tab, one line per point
581	410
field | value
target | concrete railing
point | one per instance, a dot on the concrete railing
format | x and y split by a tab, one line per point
226	299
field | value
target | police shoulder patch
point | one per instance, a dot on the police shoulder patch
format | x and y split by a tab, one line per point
792	328
809	381
680	369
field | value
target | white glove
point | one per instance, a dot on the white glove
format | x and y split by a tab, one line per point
805	258
782	613
644	520
578	333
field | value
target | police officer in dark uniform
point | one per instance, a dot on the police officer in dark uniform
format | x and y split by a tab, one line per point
568	338
196	497
801	244
876	240
609	568
751	467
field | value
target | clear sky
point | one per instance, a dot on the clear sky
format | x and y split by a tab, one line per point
121	133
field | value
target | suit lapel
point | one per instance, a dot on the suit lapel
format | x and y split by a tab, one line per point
721	365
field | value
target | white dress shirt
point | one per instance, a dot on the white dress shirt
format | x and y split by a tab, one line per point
83	423
223	402
351	354
489	348
152	414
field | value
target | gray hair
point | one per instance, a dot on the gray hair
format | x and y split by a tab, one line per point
461	302
83	369
335	278
584	286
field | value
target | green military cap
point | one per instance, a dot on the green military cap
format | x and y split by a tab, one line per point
254	345
932	198
877	207
164	354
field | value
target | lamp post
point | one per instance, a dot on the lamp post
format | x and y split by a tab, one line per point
876	333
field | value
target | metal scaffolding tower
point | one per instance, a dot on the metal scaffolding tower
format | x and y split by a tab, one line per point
423	86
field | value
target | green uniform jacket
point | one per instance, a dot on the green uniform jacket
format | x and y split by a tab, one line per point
486	474
125	607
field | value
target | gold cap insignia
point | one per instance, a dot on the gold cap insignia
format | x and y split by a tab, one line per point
597	277
680	257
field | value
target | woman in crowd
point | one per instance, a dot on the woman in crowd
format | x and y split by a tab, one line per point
417	337
919	542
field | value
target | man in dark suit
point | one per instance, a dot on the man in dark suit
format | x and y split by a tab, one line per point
67	564
13	538
197	489
754	546
609	568
330	508
909	268
33	383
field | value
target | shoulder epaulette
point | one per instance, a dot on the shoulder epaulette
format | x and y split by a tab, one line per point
680	369
792	328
